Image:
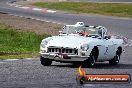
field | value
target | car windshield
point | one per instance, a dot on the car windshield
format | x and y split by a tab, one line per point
75	30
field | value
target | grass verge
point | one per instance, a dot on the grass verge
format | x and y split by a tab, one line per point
19	44
111	9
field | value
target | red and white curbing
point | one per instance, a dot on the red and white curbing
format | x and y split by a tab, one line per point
32	8
38	9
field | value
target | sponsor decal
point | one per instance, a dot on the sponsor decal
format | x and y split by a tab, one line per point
84	78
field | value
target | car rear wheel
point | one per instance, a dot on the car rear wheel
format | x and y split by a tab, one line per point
45	61
116	58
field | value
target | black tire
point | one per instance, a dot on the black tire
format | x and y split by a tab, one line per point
90	62
116	58
45	61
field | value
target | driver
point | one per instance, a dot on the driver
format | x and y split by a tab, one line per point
83	32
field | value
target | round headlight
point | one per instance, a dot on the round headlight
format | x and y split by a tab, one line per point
44	43
84	47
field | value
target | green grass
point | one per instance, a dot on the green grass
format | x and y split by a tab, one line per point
112	9
19	56
18	43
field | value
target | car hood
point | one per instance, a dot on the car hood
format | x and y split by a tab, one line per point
69	41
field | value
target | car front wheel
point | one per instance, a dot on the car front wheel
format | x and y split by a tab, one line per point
45	61
90	62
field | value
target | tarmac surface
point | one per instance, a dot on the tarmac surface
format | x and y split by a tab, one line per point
29	73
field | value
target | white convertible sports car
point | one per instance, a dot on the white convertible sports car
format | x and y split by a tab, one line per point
81	43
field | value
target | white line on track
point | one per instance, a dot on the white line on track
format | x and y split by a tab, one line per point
89	85
37	9
18	6
24	7
11	59
29	58
51	11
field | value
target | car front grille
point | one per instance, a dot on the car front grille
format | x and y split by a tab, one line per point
62	50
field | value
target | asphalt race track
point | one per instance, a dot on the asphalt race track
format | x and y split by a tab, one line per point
29	73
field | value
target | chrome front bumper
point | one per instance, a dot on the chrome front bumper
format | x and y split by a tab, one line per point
62	57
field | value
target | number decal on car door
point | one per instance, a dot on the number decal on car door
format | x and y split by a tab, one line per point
106	52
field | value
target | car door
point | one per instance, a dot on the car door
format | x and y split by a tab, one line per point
106	49
109	49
